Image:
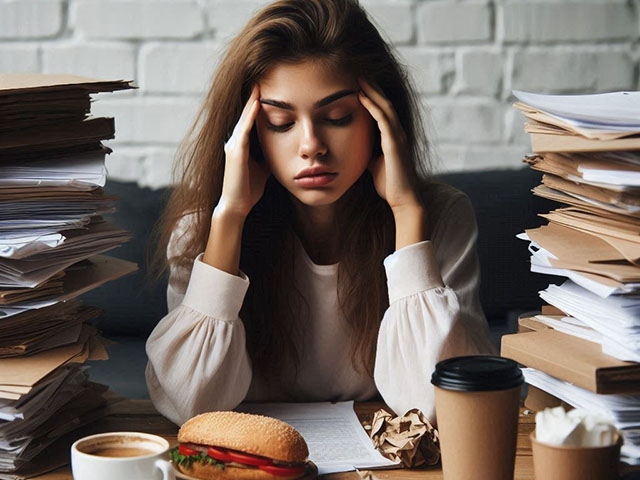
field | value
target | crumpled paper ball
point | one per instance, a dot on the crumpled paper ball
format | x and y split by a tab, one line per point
411	439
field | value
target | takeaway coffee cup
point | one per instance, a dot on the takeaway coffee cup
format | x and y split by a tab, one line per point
570	462
477	404
121	455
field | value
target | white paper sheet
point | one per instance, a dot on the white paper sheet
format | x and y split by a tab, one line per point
596	111
81	172
540	264
616	318
337	442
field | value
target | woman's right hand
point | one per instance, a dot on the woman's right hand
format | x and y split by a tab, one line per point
244	178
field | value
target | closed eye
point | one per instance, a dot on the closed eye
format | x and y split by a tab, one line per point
338	122
279	128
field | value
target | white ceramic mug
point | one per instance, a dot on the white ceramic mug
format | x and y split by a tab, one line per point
152	466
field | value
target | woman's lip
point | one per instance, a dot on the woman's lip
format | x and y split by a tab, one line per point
316	180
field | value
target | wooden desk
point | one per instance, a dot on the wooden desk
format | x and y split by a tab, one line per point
139	415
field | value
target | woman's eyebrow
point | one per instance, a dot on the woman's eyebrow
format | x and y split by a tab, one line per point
320	103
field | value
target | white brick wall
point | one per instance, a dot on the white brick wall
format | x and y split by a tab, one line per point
28	19
133	19
445	21
465	57
568	21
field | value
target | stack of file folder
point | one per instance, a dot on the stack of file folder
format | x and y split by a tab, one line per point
52	235
583	349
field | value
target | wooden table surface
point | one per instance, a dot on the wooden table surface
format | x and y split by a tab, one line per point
139	415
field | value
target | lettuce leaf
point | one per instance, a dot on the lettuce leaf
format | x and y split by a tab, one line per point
187	460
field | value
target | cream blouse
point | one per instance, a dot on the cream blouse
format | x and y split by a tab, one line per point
197	353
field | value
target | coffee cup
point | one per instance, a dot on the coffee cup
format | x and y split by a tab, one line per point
571	462
125	455
477	401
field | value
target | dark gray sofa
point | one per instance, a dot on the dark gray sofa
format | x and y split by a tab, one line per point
503	204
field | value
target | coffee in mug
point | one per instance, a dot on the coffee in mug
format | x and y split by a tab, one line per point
122	452
121	455
477	406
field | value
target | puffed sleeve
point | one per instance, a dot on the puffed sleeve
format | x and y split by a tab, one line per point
434	310
197	353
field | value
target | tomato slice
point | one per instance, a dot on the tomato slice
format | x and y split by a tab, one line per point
248	459
282	471
184	450
218	453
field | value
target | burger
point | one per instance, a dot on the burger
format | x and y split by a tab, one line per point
240	446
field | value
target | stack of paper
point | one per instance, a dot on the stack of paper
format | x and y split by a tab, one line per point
588	149
581	123
622	410
51	230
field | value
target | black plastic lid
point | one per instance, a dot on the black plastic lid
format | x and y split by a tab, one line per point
477	374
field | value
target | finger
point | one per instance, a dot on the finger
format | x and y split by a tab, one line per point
248	121
378	97
247	106
240	124
377	113
252	96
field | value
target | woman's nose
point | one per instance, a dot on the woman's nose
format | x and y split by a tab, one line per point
311	144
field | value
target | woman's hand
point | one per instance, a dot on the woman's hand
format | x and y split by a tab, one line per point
389	169
244	179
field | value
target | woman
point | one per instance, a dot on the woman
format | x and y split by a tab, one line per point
327	270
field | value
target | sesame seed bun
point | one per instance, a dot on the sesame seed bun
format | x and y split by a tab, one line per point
254	434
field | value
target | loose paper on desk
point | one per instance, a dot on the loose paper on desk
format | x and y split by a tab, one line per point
337	442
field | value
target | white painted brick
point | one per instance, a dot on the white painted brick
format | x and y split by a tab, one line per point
544	21
615	71
393	19
18	58
480	72
443	21
158	120
480	157
158	168
178	67
30	18
431	70
124	164
226	18
133	19
468	132
514	128
104	61
485	157
449	158
467	120
571	70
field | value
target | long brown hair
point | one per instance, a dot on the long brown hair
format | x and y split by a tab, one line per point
337	31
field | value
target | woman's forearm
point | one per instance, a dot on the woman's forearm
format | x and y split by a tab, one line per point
225	239
410	225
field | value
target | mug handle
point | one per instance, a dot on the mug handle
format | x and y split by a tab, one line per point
168	473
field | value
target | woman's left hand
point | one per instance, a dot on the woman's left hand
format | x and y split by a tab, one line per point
389	170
